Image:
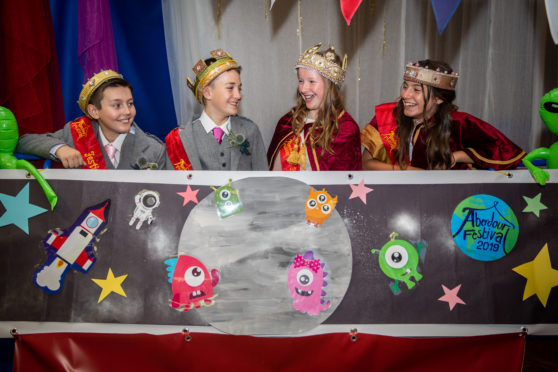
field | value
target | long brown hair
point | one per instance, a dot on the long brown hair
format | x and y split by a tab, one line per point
325	126
438	151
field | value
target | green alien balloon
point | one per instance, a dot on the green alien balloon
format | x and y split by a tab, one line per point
549	114
227	200
9	135
399	260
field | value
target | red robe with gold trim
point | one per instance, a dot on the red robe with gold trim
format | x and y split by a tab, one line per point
346	154
487	146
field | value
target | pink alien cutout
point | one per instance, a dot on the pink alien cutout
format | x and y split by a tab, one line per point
306	281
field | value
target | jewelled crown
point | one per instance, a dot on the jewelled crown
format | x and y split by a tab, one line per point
91	86
205	74
325	65
434	78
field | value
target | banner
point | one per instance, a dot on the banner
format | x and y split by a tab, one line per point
330	352
280	253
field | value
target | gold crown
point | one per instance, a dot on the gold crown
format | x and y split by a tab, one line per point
325	65
434	78
91	86
205	74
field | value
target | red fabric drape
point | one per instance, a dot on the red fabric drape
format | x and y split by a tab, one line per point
30	79
326	352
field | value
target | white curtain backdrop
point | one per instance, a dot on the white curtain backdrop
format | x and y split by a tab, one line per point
502	49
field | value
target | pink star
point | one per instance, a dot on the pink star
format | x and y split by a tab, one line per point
450	296
189	195
360	191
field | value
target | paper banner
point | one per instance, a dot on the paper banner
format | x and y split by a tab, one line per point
443	11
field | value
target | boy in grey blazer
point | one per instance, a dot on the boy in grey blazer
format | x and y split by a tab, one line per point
218	139
106	138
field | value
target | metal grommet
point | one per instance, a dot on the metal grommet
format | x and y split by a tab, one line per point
350	176
353	334
13	332
187	336
189	176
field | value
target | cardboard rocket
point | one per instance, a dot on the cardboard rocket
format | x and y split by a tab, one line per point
71	248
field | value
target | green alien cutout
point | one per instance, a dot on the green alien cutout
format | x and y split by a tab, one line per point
549	114
227	200
399	260
9	135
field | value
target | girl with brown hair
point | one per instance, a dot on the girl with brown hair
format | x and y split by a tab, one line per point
424	130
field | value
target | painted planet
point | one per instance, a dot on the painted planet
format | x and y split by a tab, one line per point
253	251
484	227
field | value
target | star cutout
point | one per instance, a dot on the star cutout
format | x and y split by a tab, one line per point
360	191
450	296
541	277
534	205
189	195
18	209
110	284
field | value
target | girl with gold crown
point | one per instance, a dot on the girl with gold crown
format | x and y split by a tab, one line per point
318	134
424	130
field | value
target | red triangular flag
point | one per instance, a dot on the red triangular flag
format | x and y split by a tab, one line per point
348	8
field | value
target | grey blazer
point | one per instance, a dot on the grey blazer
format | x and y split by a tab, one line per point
136	145
205	153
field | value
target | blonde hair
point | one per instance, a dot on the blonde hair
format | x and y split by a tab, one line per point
325	126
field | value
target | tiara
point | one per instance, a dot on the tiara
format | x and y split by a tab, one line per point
325	65
91	86
205	74
434	78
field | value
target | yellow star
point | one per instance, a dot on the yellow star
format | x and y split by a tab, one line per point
110	284
541	277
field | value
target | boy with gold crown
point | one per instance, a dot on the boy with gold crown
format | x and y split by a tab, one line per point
424	130
106	137
218	139
318	134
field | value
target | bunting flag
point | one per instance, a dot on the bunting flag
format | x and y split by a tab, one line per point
552	14
30	81
96	49
348	8
443	11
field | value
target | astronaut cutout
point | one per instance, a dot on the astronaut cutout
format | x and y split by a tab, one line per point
146	201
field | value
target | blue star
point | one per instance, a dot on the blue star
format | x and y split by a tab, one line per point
18	209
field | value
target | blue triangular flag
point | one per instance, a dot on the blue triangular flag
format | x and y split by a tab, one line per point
443	11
